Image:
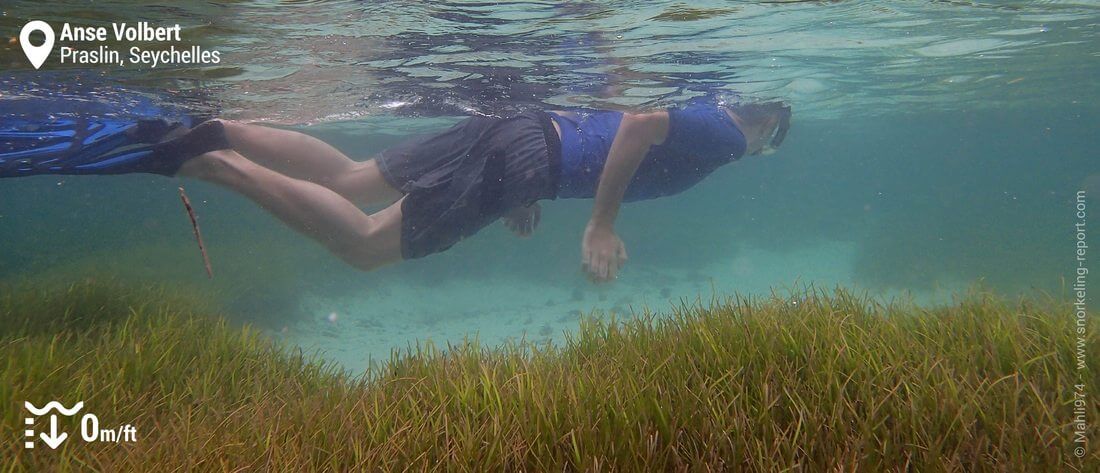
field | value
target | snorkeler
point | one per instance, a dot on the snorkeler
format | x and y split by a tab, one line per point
439	189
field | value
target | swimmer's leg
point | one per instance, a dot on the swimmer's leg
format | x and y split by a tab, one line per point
301	156
361	240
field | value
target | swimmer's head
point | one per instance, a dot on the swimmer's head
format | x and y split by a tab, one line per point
764	125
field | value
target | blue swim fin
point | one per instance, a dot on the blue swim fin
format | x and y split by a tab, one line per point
85	146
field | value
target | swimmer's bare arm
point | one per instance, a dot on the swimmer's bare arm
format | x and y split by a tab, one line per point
602	252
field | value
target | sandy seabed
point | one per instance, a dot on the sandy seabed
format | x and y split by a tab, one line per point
355	330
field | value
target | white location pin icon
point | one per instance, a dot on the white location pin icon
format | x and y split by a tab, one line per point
36	54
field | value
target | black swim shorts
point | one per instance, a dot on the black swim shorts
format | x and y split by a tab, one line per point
463	179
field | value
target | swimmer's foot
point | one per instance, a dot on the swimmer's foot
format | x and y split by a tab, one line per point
104	147
167	156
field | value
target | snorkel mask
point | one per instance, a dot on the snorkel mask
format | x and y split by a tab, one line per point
782	128
780	132
756	111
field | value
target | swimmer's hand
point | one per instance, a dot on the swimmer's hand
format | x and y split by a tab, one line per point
602	252
523	220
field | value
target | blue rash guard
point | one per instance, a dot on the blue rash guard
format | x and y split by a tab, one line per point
701	137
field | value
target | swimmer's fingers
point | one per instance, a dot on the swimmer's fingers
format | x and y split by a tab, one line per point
595	267
615	263
523	220
586	262
620	260
536	216
516	226
530	219
593	274
527	227
602	251
608	266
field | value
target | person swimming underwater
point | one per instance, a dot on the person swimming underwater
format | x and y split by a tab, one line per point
442	188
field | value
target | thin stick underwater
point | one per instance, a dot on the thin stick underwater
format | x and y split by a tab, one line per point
198	234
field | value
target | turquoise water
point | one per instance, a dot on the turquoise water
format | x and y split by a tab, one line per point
935	146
